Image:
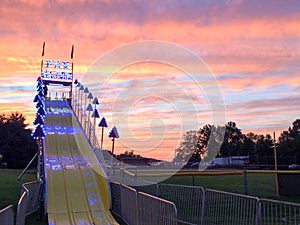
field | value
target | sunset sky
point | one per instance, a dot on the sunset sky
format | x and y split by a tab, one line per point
251	46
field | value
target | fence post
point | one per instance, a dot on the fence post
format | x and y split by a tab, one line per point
258	215
193	180
136	174
21	209
157	192
245	182
116	202
203	207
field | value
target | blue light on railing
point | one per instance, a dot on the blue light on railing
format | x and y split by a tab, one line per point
56	167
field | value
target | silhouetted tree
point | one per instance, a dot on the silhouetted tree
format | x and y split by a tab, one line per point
198	145
262	151
210	141
204	134
205	144
16	143
187	147
233	141
128	154
289	145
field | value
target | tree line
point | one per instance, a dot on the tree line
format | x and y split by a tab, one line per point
229	140
17	147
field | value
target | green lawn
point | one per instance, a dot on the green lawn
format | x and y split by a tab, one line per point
10	190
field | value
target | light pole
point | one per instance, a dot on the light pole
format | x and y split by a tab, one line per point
102	124
80	104
77	99
81	88
39	134
86	91
89	108
275	163
95	102
95	115
112	135
74	100
90	97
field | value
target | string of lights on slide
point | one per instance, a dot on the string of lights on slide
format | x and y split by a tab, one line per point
76	192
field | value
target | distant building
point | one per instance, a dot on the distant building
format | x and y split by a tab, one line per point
232	160
136	161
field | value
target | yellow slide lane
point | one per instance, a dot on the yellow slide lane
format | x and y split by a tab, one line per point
77	188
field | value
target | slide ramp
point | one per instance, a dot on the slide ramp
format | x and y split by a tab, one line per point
77	191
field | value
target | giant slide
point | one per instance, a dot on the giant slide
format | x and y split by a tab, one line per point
77	190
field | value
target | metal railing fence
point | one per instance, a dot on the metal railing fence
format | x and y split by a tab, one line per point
225	208
7	215
279	213
89	130
33	194
116	206
59	94
129	206
138	208
29	201
188	200
153	210
147	187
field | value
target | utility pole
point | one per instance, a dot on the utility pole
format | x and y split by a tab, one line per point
275	163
